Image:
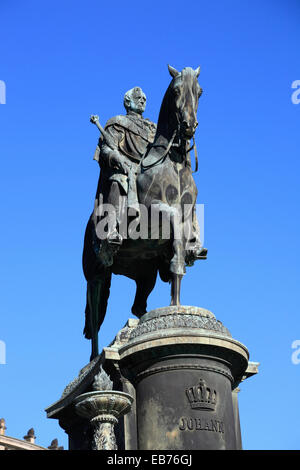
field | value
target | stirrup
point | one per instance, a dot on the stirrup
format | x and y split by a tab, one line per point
201	253
114	238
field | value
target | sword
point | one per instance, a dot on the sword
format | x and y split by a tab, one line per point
94	119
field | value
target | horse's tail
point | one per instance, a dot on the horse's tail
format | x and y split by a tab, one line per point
96	304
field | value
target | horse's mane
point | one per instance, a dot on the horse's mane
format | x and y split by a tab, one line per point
165	124
164	116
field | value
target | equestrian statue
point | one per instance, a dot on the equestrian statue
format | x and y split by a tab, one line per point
144	220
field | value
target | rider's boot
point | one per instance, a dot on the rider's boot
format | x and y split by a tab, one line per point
114	238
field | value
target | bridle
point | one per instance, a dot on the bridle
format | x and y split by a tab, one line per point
170	145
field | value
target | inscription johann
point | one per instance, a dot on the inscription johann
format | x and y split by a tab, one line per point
200	424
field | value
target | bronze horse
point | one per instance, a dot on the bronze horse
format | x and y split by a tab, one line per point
165	186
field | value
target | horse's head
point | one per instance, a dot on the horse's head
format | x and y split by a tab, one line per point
186	92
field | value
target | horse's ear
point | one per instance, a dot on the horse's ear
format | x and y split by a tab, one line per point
173	72
197	72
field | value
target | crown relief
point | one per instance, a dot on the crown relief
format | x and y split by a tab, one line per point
202	396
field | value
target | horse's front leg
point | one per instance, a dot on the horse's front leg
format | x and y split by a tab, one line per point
171	227
177	264
175	289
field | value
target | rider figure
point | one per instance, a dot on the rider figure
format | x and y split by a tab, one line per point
130	135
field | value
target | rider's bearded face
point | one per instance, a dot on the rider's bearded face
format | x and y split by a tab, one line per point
138	102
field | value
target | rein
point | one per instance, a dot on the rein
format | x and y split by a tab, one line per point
196	154
161	159
171	144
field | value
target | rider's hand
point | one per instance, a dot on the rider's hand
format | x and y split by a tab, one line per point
117	162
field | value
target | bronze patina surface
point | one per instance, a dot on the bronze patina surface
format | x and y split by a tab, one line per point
144	169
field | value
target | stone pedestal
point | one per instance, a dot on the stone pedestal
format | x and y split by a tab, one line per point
89	407
180	366
103	409
184	365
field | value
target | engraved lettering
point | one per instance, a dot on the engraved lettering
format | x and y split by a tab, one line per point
221	427
182	427
190	424
214	424
198	424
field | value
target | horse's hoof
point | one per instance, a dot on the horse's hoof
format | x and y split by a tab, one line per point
138	311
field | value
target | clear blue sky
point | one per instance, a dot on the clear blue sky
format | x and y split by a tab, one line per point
62	62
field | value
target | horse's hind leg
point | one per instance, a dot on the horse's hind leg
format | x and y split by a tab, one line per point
144	287
93	295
